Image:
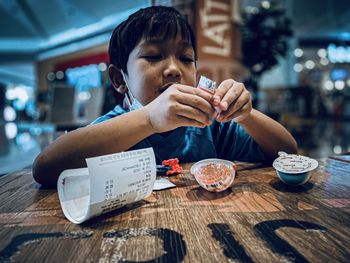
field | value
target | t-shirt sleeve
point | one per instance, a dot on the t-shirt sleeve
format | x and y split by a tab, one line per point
232	142
118	110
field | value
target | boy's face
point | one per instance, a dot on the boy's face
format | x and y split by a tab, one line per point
154	65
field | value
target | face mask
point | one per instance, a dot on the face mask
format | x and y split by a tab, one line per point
134	104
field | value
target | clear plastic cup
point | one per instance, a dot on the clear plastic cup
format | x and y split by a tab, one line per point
214	175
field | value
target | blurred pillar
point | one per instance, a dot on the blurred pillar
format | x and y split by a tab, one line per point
216	24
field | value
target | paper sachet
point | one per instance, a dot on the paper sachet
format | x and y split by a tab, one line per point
207	85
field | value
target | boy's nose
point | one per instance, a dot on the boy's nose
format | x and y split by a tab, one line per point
172	69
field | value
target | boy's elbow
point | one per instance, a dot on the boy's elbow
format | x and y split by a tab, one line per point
41	173
289	148
293	147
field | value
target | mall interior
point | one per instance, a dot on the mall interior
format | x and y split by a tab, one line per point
293	56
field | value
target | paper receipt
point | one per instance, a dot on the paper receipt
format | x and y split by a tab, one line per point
109	182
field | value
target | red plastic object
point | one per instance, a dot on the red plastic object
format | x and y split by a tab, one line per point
174	164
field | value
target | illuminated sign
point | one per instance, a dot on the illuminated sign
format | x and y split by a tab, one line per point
338	74
85	77
338	54
215	28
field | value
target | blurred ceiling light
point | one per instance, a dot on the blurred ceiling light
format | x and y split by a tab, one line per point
9	113
348	83
59	74
35	130
11	130
25	141
345	36
322	53
298	67
339	84
337	149
309	64
10	94
51	76
19	105
324	61
298	52
257	67
84	96
266	4
338	54
328	85
102	66
19	92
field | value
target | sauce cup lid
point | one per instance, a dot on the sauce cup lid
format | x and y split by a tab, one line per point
294	164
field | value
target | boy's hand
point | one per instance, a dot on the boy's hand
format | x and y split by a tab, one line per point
180	105
233	101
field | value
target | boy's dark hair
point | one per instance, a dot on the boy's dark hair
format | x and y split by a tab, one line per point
155	22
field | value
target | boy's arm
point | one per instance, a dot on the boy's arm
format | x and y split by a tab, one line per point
234	103
179	105
71	149
271	136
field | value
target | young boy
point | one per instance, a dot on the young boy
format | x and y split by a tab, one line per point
153	62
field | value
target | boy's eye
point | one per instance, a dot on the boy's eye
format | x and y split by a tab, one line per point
152	58
187	59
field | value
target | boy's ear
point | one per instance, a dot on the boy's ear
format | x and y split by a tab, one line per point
117	79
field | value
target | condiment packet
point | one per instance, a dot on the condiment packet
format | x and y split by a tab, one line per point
207	85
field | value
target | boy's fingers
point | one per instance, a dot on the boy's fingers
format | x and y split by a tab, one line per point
240	114
190	122
187	95
223	106
193	114
197	102
195	91
222	89
216	100
232	95
243	99
220	93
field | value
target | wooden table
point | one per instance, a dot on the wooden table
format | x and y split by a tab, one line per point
259	219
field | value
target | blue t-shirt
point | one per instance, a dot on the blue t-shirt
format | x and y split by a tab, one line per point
190	144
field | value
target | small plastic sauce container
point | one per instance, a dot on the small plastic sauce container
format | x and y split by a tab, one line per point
294	169
214	175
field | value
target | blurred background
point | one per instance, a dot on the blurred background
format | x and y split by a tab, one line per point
293	55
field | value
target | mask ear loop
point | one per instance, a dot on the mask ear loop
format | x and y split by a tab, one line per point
129	94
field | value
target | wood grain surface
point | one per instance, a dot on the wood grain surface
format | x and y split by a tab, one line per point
258	219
